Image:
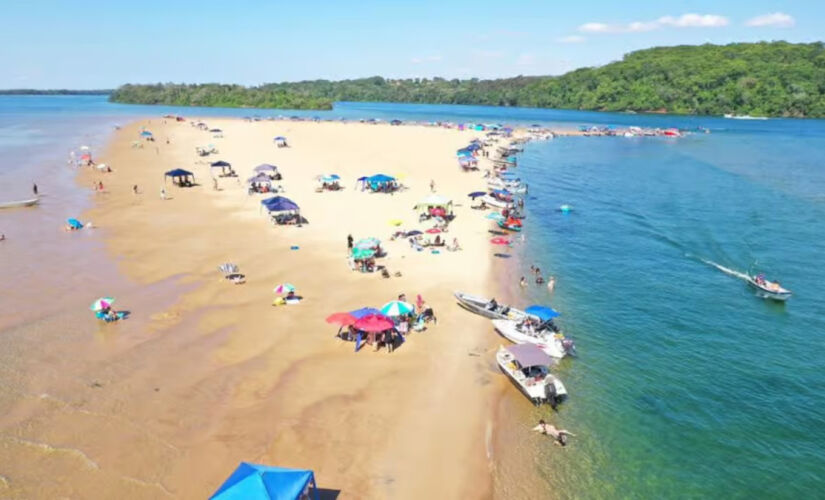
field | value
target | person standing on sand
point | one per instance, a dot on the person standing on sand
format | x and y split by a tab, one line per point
100	186
432	185
135	189
349	242
559	435
163	193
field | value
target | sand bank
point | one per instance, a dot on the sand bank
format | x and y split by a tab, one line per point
220	375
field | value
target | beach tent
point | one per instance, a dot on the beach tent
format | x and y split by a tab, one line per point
263	482
435	201
280	140
220	164
179	175
380	178
279	204
543	313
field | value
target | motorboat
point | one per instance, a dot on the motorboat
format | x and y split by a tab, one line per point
768	289
515	187
495	202
20	203
744	117
529	369
488	308
551	342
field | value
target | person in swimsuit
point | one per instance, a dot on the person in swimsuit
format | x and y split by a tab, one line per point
559	435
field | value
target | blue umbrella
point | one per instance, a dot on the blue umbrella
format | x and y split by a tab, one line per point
544	313
262	482
76	224
414	232
364	311
476	194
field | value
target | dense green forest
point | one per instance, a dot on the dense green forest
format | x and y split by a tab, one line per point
771	79
53	92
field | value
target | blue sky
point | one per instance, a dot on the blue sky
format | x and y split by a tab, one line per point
97	44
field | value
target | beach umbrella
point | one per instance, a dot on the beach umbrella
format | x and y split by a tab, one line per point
284	288
102	303
500	241
76	224
433	230
374	323
397	308
362	253
228	268
476	194
544	313
265	167
341	319
414	232
438	211
364	311
396	222
367	243
146	133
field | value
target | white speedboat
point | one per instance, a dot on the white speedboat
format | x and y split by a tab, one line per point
513	187
769	289
488	308
529	368
495	202
552	343
20	203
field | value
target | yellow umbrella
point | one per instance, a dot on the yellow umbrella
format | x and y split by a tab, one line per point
396	222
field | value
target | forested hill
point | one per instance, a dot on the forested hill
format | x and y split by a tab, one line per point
769	79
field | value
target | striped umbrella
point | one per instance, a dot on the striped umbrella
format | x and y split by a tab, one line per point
367	243
362	253
284	288
397	308
102	303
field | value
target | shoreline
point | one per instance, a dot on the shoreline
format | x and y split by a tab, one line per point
454	335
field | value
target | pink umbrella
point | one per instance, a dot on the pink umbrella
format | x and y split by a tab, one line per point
438	211
500	241
342	319
433	230
374	323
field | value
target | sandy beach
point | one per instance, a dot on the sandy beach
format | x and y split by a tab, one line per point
213	374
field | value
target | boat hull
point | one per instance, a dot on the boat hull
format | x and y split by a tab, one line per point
546	341
780	295
478	305
20	203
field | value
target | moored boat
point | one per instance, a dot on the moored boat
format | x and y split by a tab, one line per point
495	202
488	308
769	289
528	367
20	203
552	343
511	224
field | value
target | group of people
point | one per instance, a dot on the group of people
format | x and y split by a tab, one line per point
539	279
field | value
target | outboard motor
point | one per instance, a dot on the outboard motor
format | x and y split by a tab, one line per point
551	396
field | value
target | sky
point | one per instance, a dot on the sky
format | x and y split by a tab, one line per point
91	44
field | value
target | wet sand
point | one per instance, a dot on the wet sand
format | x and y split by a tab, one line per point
206	374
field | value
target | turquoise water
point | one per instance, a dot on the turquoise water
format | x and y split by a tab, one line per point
686	385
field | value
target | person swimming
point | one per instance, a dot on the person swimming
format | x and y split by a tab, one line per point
559	435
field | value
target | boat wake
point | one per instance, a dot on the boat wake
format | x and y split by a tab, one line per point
726	270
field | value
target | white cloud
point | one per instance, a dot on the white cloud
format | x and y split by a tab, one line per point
683	21
571	39
425	59
776	20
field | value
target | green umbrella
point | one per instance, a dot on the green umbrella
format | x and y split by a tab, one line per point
362	253
367	243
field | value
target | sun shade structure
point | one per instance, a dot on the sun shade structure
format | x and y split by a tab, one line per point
341	318
263	482
373	323
435	201
543	313
529	355
380	178
279	204
397	308
220	164
259	179
179	175
265	167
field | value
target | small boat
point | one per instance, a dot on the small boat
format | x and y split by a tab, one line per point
768	289
529	368
513	187
488	308
552	343
20	203
744	117
495	202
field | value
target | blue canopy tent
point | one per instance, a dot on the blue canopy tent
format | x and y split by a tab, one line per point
279	204
220	164
180	176
280	141
473	147
543	313
263	482
376	182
